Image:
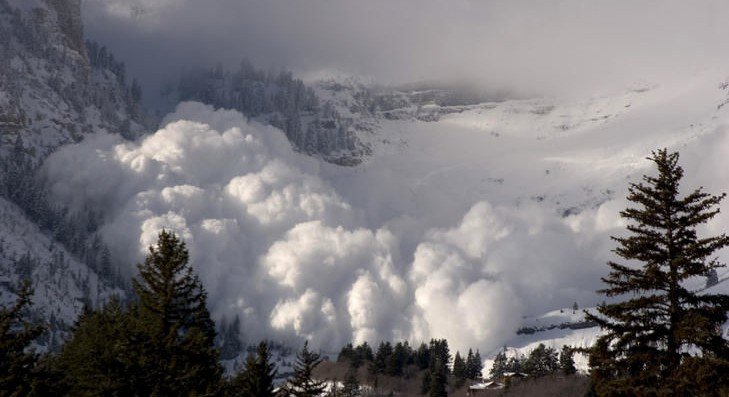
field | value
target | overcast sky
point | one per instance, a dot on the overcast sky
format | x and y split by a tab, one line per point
534	47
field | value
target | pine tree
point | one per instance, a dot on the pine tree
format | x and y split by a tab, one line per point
302	384
459	369
648	336
230	344
384	351
712	278
542	361
439	352
17	364
395	363
425	384
347	353
351	386
474	365
438	379
500	365
477	366
566	360
469	363
177	343
256	379
515	364
364	353
97	359
422	357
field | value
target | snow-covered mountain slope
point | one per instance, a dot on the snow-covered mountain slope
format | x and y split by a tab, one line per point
51	91
55	89
567	326
568	154
62	285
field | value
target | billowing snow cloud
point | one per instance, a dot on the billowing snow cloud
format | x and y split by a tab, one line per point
276	244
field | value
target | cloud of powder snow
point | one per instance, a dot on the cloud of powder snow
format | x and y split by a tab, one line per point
277	246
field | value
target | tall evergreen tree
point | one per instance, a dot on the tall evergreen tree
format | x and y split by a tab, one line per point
425	383
515	364
439	352
712	278
566	360
302	384
351	387
469	363
397	361
229	337
97	359
499	366
176	345
256	378
459	369
438	379
651	335
541	361
422	357
347	353
17	364
384	351
364	353
476	369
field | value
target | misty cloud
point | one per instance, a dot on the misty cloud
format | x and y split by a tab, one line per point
563	47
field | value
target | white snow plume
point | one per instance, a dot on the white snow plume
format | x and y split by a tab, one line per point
474	282
229	188
275	244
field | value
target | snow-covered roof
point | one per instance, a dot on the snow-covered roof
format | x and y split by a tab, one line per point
486	385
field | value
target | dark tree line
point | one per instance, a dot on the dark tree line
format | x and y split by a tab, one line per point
541	361
433	360
162	343
468	368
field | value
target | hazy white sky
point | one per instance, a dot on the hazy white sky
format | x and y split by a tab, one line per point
559	46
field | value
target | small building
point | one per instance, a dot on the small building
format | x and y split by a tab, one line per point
483	387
